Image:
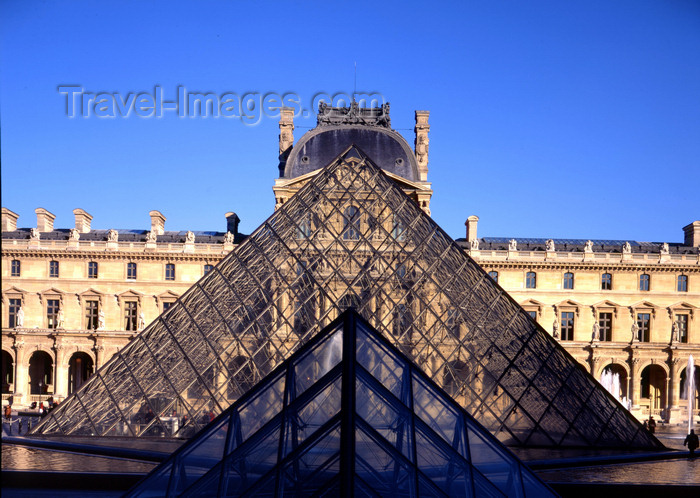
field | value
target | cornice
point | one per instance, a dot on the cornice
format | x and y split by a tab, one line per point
111	255
580	265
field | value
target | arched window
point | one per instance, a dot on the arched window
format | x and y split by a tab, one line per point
8	370
304	228
531	280
682	283
494	276
644	282
351	223
80	369
399	230
568	280
606	281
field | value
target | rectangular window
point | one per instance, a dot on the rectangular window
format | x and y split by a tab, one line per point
494	276
568	280
208	268
531	280
682	321
644	281
53	269
644	324
170	271
606	281
16	268
13	310
130	315
92	269
167	305
532	314
567	326
131	271
605	322
682	283
91	311
52	306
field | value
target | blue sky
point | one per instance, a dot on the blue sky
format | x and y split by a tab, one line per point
564	119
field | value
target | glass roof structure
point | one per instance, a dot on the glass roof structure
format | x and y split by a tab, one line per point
347	411
349	237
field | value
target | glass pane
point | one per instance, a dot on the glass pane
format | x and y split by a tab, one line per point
318	362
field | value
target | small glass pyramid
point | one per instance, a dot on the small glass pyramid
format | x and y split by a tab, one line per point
346	411
349	238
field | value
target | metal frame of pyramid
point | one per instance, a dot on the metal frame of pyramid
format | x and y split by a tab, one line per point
347	411
349	237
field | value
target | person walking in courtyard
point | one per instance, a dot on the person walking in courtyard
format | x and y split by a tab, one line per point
652	425
691	441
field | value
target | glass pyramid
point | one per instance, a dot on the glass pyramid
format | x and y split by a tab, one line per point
349	238
346	411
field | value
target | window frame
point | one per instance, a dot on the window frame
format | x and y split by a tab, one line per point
93	269
568	281
13	302
567	325
131	320
606	332
207	269
16	268
682	331
606	281
89	317
682	283
531	280
170	271
52	318
351	223
54	269
131	270
644	282
644	332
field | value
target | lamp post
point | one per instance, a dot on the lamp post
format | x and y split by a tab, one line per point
41	389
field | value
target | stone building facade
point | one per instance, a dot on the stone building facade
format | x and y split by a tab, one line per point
73	297
624	307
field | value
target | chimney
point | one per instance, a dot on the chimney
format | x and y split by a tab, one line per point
9	220
692	234
157	222
286	136
82	220
421	144
44	220
232	221
471	227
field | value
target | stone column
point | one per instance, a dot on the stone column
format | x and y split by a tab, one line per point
635	382
61	373
673	390
21	373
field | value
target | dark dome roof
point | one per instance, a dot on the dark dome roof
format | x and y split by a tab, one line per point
385	147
